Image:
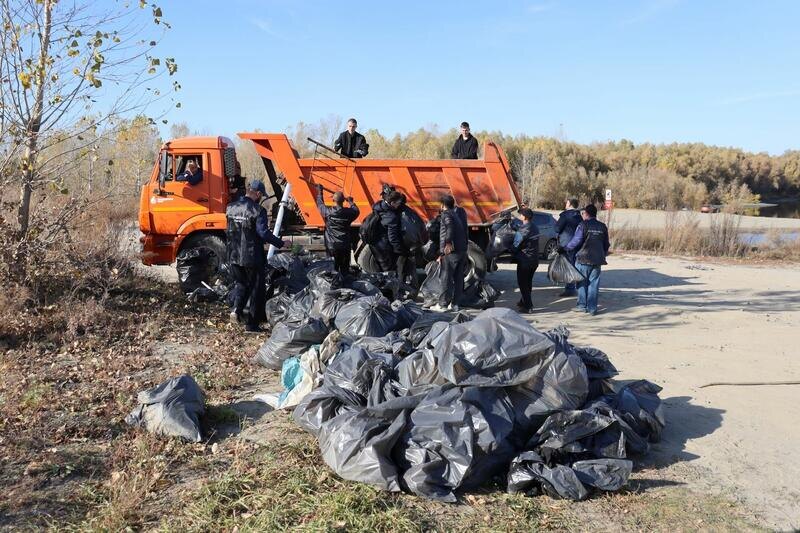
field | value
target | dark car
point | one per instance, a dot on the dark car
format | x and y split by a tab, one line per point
503	231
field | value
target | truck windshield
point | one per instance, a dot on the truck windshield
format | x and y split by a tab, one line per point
165	166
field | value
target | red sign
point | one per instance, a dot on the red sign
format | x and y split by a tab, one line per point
608	205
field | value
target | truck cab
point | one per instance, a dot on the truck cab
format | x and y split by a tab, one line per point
175	215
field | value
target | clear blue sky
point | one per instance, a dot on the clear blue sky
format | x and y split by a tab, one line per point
718	72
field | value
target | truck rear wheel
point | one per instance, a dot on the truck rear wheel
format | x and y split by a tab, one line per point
367	261
209	271
476	259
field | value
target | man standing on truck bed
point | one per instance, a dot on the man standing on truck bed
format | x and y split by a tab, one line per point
453	254
247	232
351	143
338	220
466	146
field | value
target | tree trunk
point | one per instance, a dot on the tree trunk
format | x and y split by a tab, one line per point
29	172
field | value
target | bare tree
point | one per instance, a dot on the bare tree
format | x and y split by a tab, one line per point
67	68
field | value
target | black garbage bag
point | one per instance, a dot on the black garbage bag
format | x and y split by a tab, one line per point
432	287
365	287
388	284
560	271
324	281
501	238
407	312
329	303
302	302
344	370
415	233
424	322
418	372
529	474
637	403
604	474
172	408
394	343
317	265
497	348
457	438
277	308
203	295
326	403
290	276
358	445
568	436
478	293
193	268
368	316
288	338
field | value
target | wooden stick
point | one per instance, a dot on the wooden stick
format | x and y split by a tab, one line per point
750	383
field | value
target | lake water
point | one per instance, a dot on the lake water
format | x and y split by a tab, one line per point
782	210
763	239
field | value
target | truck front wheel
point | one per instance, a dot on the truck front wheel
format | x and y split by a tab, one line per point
199	260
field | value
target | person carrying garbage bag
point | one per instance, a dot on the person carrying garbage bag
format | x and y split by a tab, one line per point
525	250
452	254
338	222
247	233
568	221
591	243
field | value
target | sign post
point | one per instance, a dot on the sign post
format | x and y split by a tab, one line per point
608	206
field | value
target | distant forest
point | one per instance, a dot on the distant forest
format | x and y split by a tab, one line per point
649	176
548	170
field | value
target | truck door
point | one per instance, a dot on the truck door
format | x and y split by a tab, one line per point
178	201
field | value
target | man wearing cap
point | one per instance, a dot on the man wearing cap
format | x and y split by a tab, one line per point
526	251
466	146
247	233
338	221
591	243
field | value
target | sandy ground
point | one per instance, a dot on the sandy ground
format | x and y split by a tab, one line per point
682	324
642	218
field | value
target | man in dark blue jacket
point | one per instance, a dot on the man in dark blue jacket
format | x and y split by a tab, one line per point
338	228
568	220
193	174
389	251
247	233
525	250
591	243
452	254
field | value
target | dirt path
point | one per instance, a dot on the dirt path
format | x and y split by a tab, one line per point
682	324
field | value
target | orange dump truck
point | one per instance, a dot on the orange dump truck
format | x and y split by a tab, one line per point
176	216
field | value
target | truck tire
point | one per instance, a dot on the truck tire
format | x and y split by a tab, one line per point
476	259
213	243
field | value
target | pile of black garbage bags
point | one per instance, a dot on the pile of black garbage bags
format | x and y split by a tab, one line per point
438	403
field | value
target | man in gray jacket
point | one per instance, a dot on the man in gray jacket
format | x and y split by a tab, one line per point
453	254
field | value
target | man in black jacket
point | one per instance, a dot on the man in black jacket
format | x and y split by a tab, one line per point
466	146
592	244
453	254
338	221
568	221
389	248
526	251
351	143
247	232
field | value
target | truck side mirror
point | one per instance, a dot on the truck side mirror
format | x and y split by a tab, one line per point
162	169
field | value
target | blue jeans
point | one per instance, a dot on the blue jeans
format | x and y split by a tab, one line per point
589	288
